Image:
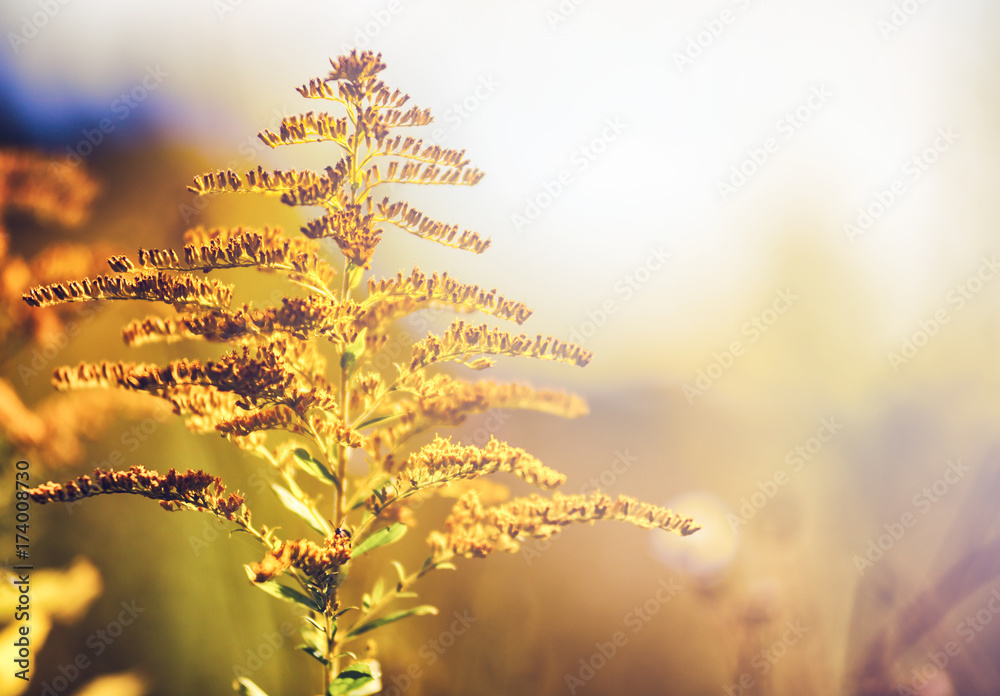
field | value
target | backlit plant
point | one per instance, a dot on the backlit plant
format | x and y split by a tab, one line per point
303	387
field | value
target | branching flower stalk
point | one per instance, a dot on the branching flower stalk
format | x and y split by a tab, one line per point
270	394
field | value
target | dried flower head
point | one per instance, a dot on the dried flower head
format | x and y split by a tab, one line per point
318	562
473	530
174	490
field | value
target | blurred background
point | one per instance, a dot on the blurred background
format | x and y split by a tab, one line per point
773	222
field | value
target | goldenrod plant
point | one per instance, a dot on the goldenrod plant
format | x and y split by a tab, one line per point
301	386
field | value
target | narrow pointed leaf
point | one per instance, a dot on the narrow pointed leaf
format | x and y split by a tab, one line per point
352	680
349	358
378	589
247	688
382	419
399	571
313	636
384	536
314	467
359	498
313	653
376	623
312	518
276	589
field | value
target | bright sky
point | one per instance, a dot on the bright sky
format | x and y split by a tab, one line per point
609	132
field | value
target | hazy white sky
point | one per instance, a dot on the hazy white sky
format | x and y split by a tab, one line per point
611	134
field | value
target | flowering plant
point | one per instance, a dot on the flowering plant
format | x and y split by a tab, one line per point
300	385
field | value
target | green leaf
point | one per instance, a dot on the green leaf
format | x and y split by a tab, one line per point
313	636
362	495
384	536
352	680
312	518
313	653
381	419
377	590
247	688
376	623
354	274
399	571
314	467
349	358
276	589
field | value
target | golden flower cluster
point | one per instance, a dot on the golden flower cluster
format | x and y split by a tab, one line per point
423	290
420	173
462	342
261	376
206	250
206	407
443	462
274	396
154	287
357	70
473	530
254	181
413	221
318	562
174	490
303	318
353	231
446	400
308	128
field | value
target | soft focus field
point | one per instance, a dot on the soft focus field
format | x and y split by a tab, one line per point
774	222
